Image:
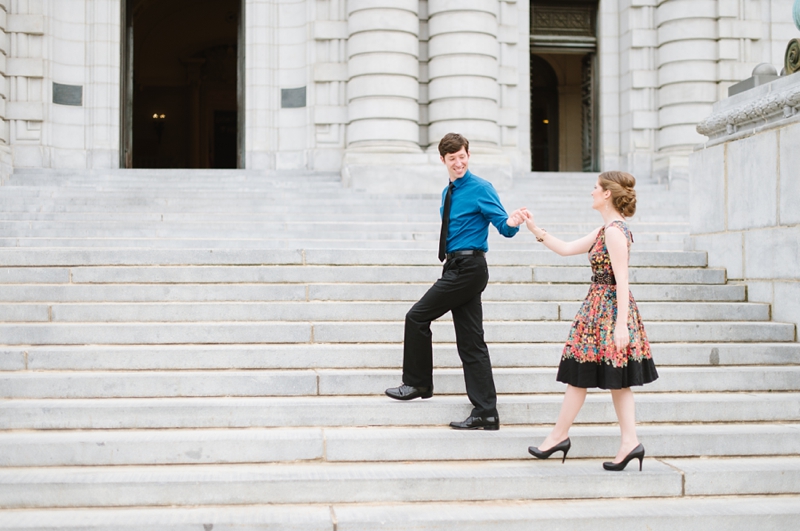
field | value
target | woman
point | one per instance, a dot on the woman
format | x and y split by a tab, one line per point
607	346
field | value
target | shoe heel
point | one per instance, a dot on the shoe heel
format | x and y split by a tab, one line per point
564	457
640	463
493	427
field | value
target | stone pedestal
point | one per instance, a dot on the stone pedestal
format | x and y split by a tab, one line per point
745	188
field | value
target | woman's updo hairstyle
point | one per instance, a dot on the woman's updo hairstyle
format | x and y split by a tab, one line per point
623	196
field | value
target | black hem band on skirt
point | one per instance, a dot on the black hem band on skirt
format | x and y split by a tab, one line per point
604	376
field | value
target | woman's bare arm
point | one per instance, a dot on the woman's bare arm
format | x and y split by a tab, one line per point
617	245
579	246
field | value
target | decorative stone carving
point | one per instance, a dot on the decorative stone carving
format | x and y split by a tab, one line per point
773	107
792	59
554	20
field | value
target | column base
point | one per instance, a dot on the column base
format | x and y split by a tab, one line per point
416	173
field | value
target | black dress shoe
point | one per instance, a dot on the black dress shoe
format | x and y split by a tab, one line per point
406	392
477	423
636	453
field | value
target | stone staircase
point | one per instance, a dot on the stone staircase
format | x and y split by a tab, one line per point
208	350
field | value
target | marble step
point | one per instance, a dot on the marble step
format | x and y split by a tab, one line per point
379	410
395	245
337	382
142	257
354	311
159	333
52	286
344	356
687	513
324	483
244	220
344	274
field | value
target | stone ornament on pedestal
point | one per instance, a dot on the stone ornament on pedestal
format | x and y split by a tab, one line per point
792	60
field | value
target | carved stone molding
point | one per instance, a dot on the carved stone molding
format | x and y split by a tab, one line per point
574	21
771	108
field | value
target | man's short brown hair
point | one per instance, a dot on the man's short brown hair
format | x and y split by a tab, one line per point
452	143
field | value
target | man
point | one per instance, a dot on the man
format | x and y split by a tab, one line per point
469	204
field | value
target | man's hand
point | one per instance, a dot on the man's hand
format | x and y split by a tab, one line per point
518	217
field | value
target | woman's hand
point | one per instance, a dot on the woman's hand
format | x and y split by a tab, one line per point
529	221
621	337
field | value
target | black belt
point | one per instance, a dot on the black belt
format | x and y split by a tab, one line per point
471	252
604	278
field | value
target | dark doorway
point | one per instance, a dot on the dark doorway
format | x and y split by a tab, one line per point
563	45
544	115
181	84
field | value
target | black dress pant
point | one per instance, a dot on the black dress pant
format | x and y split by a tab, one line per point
459	291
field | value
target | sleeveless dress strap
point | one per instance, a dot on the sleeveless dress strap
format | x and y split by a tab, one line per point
621	225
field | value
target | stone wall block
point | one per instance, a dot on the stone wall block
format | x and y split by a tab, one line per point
330	72
786	305
687	71
752	182
676	10
387	107
790	175
383	41
697	49
477	131
28	24
384	21
724	250
454	43
685	114
25	67
707	190
688	29
466	22
678	136
411	6
442	6
25	110
463	65
772	253
463	87
371	63
383	85
375	131
456	108
329	30
679	93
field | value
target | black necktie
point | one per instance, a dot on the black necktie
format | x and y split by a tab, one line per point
445	223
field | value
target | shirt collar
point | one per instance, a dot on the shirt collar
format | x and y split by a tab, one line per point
461	181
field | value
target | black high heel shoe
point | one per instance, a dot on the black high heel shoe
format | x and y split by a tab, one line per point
636	453
563	446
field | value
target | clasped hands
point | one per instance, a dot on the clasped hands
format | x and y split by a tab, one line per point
518	217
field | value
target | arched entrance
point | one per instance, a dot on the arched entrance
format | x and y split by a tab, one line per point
544	116
182	79
563	47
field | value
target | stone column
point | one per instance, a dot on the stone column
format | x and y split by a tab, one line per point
383	72
687	80
463	72
5	151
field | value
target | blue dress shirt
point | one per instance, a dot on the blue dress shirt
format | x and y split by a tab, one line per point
473	206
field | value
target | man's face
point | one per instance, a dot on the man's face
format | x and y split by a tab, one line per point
456	163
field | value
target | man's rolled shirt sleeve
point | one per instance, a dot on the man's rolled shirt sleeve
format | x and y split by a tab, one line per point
492	209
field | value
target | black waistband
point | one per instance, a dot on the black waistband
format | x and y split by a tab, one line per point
471	252
604	278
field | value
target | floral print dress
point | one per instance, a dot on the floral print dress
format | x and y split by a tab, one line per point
590	358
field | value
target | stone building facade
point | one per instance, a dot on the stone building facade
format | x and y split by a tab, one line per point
367	87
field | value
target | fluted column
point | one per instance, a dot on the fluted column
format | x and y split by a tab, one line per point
463	71
383	75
